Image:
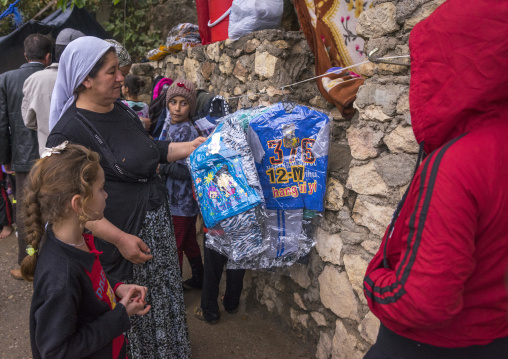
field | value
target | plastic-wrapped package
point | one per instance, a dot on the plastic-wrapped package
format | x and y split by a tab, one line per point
182	36
290	159
228	191
179	38
291	154
252	15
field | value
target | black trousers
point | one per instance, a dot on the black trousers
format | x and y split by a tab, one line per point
20	186
5	203
213	268
390	345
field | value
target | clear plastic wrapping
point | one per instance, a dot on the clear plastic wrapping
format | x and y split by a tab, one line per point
253	15
285	163
179	38
228	191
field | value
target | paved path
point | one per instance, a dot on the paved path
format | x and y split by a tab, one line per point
244	335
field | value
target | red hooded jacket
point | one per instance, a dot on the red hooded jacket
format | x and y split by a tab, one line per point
441	280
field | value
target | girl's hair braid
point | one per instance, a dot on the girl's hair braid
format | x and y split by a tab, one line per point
52	183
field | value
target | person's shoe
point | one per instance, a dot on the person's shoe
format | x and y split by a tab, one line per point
16	274
192	283
234	311
198	313
196	281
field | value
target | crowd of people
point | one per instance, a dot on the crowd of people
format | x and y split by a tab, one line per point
105	208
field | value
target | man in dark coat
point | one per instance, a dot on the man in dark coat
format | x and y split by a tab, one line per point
18	144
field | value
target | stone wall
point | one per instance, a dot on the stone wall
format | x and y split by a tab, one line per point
371	160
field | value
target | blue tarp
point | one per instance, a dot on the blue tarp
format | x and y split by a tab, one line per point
11	46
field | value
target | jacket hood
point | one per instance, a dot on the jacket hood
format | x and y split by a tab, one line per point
459	69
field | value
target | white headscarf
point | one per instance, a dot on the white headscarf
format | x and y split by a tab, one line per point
76	62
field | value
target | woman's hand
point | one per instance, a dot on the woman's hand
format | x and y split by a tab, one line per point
181	150
133	299
196	143
133	248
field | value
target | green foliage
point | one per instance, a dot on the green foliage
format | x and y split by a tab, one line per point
128	23
29	8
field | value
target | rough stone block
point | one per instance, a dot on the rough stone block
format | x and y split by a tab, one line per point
207	69
337	293
324	347
334	194
240	72
265	65
345	345
298	319
329	247
298	300
225	64
299	273
402	139
251	46
403	104
213	51
364	142
377	21
319	319
366	180
191	69
339	158
371	246
422	13
396	169
374	113
356	267
319	101
375	217
384	95
369	327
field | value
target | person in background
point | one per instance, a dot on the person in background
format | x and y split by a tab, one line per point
131	86
181	104
74	311
437	283
5	207
157	111
18	144
124	59
85	110
38	89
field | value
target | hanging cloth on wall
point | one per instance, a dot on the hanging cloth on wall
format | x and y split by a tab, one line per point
329	27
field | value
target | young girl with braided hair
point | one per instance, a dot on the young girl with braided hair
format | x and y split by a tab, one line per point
75	310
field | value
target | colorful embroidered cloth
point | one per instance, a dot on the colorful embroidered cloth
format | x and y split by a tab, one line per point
330	29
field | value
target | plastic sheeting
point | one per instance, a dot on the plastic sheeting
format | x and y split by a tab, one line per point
253	15
289	152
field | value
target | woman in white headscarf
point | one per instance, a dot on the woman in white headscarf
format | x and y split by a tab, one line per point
85	110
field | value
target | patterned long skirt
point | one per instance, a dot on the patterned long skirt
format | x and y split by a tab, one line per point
162	333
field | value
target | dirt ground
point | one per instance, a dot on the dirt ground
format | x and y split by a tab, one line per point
245	335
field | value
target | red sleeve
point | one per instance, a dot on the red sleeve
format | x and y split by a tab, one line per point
431	251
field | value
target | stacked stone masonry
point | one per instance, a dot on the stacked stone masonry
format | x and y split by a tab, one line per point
371	164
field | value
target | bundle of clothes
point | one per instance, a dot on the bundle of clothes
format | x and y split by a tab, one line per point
260	181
